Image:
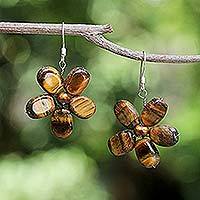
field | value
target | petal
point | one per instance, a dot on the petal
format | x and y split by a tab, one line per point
122	143
126	113
154	111
61	123
40	106
147	153
76	81
164	135
82	106
50	79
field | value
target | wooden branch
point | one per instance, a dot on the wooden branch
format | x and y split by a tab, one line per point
53	29
94	34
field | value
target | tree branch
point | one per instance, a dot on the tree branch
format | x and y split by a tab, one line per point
94	34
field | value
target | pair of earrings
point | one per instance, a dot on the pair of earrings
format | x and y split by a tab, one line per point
63	97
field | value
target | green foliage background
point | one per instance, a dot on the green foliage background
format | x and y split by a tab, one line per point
35	165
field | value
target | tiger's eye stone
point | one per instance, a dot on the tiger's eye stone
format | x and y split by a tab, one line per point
82	106
141	130
126	113
147	153
49	79
164	135
61	123
63	97
154	111
121	143
40	106
76	81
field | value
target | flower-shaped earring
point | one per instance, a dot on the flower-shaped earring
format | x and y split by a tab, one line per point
63	96
142	131
62	99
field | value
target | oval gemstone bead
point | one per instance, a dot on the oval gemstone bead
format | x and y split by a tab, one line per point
147	153
82	106
63	97
40	106
76	81
122	143
61	123
49	79
141	130
126	113
164	135
154	111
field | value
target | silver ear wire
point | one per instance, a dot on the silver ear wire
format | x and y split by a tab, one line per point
142	92
62	63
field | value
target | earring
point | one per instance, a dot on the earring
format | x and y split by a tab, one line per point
62	97
142	131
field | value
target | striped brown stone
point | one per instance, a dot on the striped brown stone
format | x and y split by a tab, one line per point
40	106
141	130
154	111
49	79
164	135
126	113
76	81
121	143
82	106
63	97
61	123
147	153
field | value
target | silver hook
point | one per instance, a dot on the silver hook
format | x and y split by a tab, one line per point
62	63
142	92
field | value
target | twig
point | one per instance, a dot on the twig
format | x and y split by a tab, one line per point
94	34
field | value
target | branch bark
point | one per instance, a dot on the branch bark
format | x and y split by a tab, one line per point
94	34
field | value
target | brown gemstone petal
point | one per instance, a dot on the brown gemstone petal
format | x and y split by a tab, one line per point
40	106
76	81
126	113
147	153
82	106
164	135
121	143
61	123
49	79
154	111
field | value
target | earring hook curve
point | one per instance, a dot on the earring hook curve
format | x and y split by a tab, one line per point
142	92
62	63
